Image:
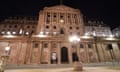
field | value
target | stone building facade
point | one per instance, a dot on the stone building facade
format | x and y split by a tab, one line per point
46	40
116	32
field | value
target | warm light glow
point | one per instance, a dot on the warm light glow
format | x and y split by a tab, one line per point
7	48
54	33
8	32
61	20
111	36
27	33
9	36
41	33
86	33
39	36
94	34
13	32
86	37
74	38
20	31
3	32
47	33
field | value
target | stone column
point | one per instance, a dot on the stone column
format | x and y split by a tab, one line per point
59	52
70	53
28	53
49	57
78	51
86	52
95	53
40	48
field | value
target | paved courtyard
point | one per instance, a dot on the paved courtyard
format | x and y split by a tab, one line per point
85	69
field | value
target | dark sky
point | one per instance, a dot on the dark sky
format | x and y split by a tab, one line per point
105	10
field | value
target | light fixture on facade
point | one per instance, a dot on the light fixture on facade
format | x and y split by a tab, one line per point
13	32
54	33
61	21
46	33
7	48
27	33
41	33
20	31
8	36
111	36
74	39
2	32
8	32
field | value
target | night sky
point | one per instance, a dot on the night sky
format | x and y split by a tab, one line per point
102	10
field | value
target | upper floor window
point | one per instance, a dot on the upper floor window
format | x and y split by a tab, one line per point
81	46
45	45
89	46
70	27
54	27
47	27
28	26
36	45
15	26
77	28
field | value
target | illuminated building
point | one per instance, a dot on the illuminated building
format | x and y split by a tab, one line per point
45	40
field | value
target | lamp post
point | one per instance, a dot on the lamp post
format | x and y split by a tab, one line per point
4	59
77	64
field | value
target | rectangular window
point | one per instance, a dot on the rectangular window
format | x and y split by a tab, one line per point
36	45
81	46
73	46
109	47
89	46
46	45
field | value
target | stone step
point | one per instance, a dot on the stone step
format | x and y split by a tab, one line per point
38	66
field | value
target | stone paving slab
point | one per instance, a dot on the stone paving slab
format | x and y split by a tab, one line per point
85	69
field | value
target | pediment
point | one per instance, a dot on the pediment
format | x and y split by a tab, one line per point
60	8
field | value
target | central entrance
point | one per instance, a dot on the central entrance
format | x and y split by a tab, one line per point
64	55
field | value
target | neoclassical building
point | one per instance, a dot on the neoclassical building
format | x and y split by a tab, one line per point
58	35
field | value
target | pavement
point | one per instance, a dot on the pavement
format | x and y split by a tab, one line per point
85	69
91	67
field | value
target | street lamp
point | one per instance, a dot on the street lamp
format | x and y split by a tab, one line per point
77	65
4	59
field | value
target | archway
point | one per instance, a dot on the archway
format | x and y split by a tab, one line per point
64	55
